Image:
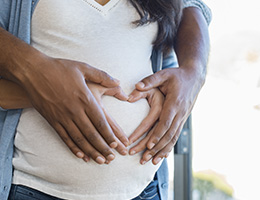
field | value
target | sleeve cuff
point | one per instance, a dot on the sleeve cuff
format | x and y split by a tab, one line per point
202	6
2	109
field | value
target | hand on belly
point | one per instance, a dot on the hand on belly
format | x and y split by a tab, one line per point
48	158
135	114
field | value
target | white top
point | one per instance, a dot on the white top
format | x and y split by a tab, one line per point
104	37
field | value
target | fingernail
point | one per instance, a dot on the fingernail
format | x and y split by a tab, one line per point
86	158
157	160
116	80
113	145
100	160
143	162
132	152
80	154
110	157
124	152
150	146
130	98
141	84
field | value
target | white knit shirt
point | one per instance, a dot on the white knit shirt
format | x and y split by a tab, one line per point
105	38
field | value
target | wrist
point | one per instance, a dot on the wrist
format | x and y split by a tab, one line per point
194	71
29	66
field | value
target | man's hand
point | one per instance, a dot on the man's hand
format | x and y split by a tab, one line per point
13	96
57	89
59	92
180	86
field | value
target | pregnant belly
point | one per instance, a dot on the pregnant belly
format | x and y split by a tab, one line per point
41	154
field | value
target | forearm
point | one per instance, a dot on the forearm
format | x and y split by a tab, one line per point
12	96
17	58
192	43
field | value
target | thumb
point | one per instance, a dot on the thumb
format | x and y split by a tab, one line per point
98	76
152	81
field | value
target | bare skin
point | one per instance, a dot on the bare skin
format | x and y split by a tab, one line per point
154	97
57	89
180	86
75	114
13	96
102	2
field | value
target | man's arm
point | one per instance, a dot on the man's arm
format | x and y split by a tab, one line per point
57	89
206	12
13	96
180	86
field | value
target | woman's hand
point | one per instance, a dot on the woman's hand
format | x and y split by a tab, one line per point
155	99
180	88
98	91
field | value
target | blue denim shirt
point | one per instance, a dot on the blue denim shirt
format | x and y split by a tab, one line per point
15	17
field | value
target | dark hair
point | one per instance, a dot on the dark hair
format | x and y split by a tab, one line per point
168	15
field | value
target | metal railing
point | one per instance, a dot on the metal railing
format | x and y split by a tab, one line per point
183	164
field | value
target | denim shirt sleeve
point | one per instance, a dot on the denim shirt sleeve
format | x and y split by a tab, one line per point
2	109
15	16
202	6
5	13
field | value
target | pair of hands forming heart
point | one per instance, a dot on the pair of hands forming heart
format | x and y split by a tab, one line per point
155	100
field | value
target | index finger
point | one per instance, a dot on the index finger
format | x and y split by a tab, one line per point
151	118
166	118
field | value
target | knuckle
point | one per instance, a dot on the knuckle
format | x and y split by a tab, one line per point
66	140
178	102
104	74
79	140
171	134
167	123
92	138
101	124
153	151
151	79
156	139
118	89
70	131
168	136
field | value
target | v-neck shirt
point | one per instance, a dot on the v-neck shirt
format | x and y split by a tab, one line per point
105	38
104	9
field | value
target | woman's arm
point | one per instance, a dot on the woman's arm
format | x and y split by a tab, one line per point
13	96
